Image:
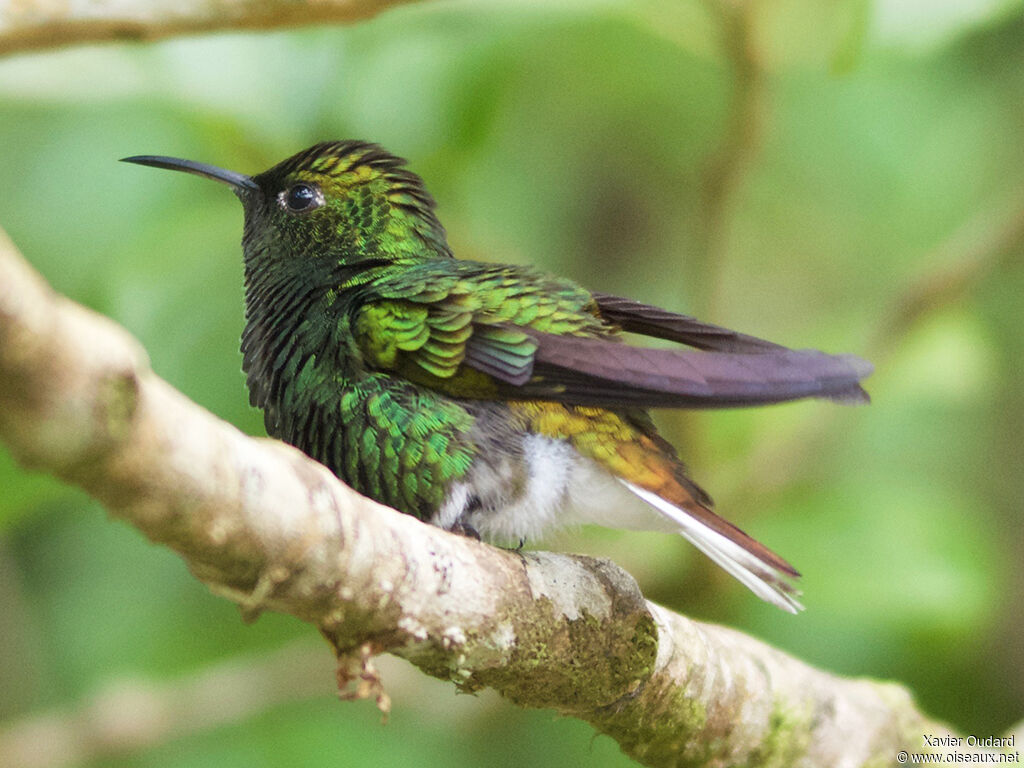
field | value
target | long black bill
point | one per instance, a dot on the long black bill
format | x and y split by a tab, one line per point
239	181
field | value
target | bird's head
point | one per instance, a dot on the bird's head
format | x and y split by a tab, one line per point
342	201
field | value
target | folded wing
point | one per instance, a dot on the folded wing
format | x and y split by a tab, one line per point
602	372
565	351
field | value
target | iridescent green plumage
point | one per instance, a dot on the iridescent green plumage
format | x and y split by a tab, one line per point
482	396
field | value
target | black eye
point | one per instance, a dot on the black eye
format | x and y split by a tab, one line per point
301	198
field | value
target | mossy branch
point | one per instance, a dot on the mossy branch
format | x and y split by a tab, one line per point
263	525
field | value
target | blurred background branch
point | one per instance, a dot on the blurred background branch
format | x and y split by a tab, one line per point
981	245
130	715
726	169
27	25
988	240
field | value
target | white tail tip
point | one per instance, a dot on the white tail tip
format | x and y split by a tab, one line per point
763	579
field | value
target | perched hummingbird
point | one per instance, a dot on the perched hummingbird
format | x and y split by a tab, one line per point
489	399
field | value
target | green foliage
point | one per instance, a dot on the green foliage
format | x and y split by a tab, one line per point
870	201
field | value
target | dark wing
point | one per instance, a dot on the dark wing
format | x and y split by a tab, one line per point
604	373
659	323
493	334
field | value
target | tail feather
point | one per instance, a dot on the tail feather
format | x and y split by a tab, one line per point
755	566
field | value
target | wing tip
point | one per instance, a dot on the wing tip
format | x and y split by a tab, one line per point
853	393
861	367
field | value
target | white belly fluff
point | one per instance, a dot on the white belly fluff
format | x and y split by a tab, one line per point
550	486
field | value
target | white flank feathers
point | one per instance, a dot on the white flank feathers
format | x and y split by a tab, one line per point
763	579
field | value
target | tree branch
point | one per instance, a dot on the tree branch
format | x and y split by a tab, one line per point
265	526
35	24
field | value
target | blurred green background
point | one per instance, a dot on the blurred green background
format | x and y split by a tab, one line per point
844	175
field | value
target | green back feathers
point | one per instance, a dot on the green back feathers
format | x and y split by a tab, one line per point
462	327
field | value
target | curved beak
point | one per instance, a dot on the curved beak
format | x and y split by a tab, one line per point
238	181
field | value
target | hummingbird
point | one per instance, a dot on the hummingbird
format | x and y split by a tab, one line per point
493	400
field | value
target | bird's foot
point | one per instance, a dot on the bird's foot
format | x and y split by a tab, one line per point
465	529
